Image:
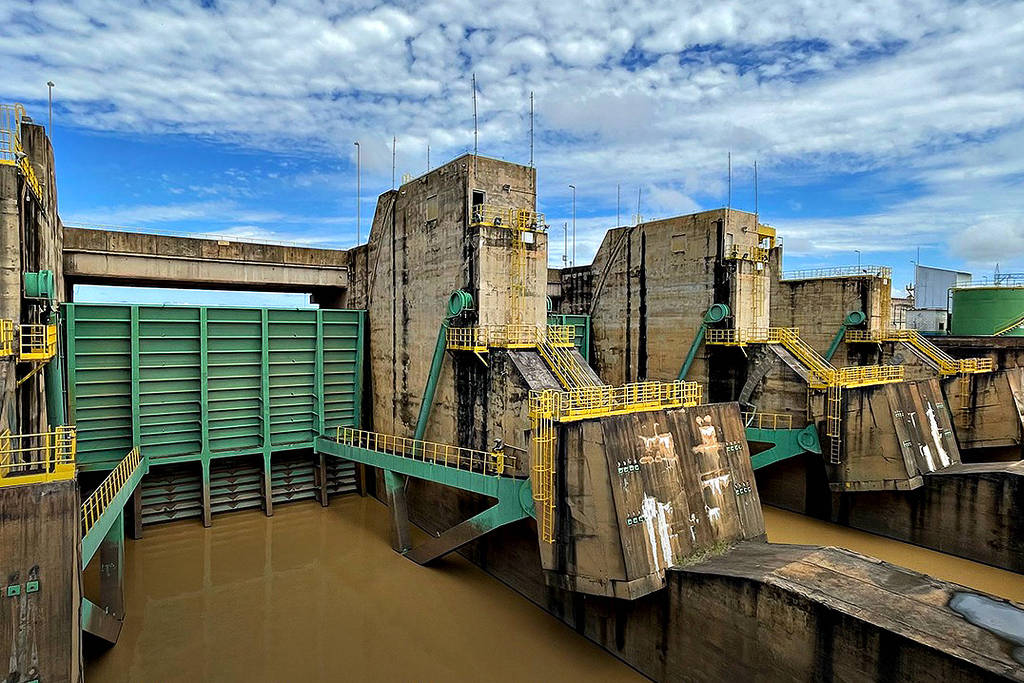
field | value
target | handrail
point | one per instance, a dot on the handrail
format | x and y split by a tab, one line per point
756	420
6	337
747	253
98	501
50	458
444	455
837	271
946	364
37	341
481	338
502	217
597	401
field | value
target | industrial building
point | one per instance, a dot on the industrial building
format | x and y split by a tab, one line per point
600	438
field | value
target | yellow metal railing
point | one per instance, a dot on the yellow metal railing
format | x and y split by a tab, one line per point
501	217
821	374
98	501
467	339
869	375
37	342
37	458
747	253
767	420
446	455
946	364
508	337
598	401
11	151
549	406
6	338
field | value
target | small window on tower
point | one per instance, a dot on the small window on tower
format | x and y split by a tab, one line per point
432	208
678	244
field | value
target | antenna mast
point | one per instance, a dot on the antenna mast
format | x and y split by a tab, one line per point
476	129
531	129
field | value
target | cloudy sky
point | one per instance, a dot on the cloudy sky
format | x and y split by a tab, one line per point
881	126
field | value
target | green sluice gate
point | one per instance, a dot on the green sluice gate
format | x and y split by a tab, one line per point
197	384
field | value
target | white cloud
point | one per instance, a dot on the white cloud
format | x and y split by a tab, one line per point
928	92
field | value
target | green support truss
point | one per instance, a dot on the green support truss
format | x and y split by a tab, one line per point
514	497
786	443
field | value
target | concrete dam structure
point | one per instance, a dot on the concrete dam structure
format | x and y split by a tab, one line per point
601	439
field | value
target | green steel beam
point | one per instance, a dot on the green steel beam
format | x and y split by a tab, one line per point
435	372
110	516
852	319
514	498
786	443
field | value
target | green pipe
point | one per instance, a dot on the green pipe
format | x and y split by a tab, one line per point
852	319
697	341
53	382
715	314
435	371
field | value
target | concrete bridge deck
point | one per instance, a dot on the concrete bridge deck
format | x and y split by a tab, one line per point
115	257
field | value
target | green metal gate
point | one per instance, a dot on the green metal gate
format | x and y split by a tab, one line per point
191	383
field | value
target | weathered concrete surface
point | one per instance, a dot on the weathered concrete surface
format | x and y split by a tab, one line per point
411	265
40	632
114	257
968	510
818	305
761	611
825	614
647	491
649	287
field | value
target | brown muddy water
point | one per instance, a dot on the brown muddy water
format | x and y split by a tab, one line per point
316	594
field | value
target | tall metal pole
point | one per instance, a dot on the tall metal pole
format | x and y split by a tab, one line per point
428	158
49	88
359	194
755	189
531	129
638	205
618	205
394	146
573	225
728	200
476	134
858	258
565	244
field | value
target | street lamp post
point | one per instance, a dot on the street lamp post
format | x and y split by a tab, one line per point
49	88
858	258
573	188
358	195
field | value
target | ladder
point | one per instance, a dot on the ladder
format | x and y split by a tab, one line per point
834	421
542	461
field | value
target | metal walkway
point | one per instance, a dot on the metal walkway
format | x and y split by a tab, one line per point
486	473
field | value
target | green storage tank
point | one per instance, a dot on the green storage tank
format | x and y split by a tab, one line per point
987	311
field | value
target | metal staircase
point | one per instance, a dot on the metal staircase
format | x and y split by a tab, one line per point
923	347
816	371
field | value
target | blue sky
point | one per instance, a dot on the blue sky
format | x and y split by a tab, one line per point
880	126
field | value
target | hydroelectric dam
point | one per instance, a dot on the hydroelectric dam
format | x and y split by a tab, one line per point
678	462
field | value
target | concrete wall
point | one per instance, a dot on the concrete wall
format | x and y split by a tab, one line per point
412	265
651	285
817	306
